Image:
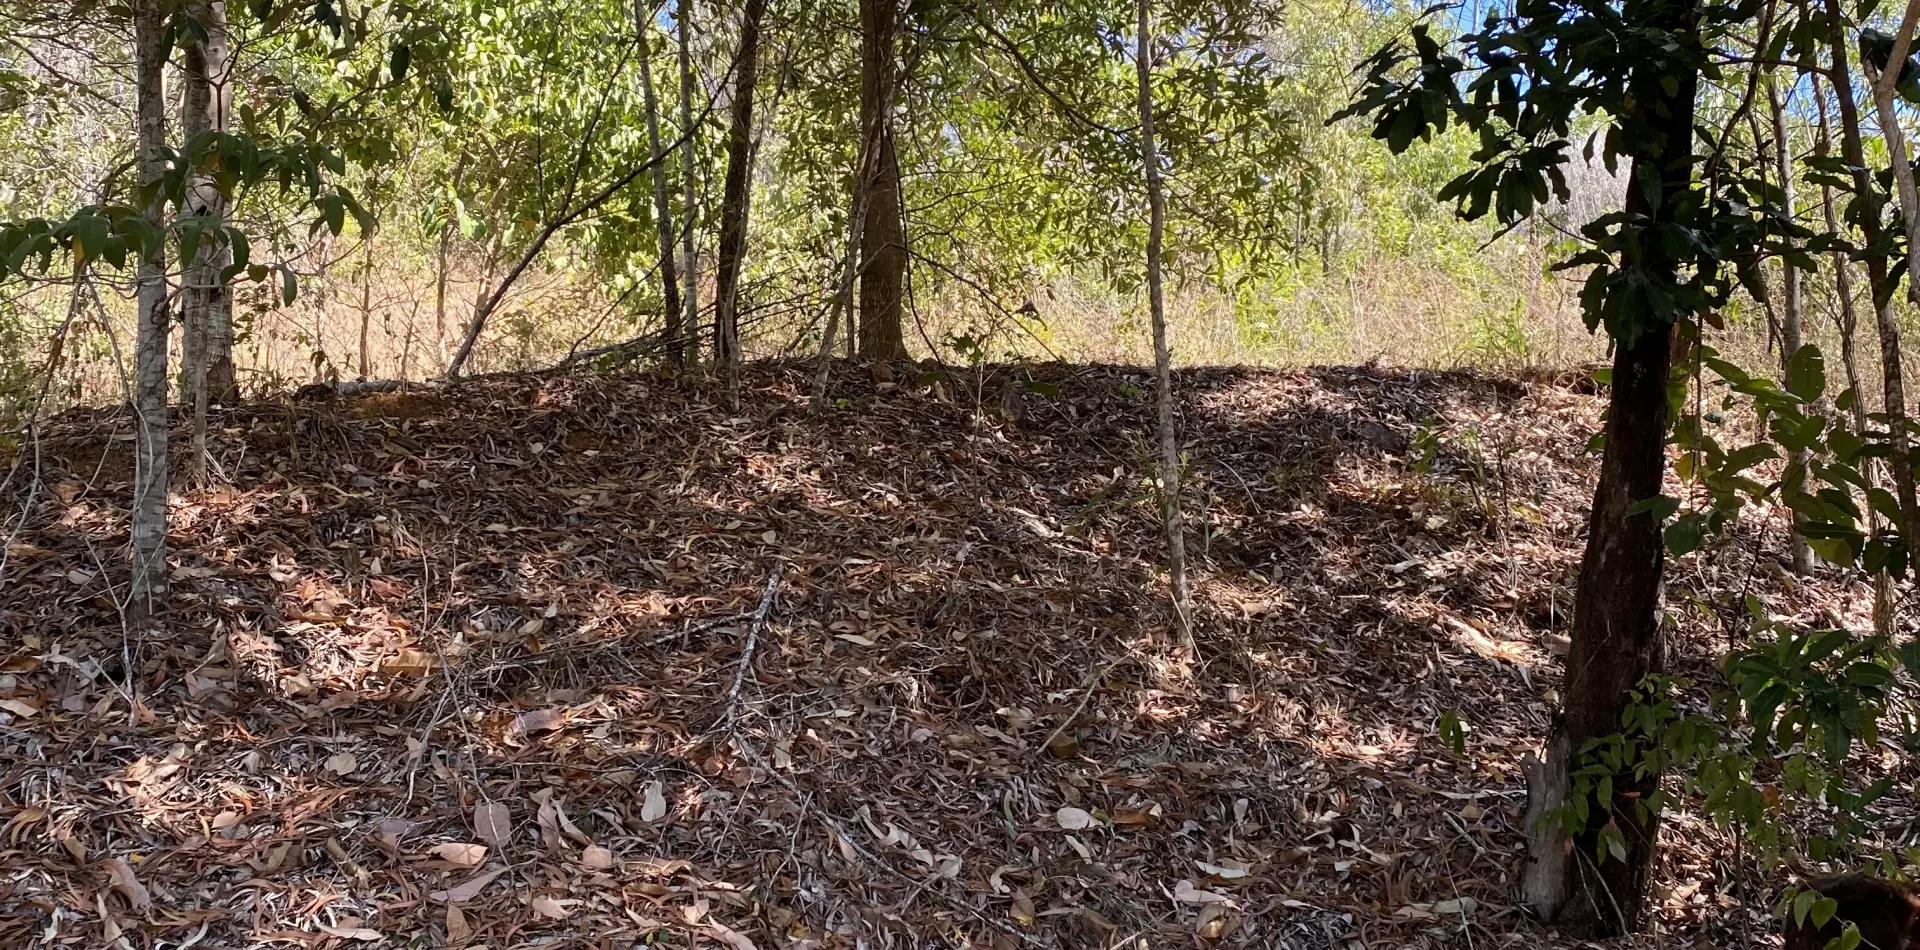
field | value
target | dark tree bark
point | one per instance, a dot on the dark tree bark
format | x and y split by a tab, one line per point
883	240
735	198
1616	636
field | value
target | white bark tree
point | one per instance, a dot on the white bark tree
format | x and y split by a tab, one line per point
148	588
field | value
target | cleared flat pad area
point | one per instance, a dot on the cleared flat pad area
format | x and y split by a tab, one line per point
569	661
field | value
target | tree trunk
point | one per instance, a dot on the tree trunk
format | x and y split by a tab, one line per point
148	590
1162	353
1892	377
734	201
883	249
662	196
366	306
687	349
207	350
1616	637
1849	358
1790	307
440	289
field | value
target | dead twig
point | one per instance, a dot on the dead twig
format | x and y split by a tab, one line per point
753	640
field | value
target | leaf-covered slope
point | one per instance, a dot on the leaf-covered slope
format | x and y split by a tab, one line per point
461	663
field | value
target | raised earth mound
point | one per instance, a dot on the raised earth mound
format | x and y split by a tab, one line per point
591	662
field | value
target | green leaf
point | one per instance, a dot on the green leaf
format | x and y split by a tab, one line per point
1662	506
1807	373
1453	732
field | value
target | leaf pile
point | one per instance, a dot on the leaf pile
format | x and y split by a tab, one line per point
463	667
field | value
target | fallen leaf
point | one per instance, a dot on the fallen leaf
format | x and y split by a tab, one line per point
343	763
458	930
597	858
461	854
730	937
1022	910
1226	870
129	886
411	661
1074	819
536	720
18	708
554	908
354	933
655	807
467	891
1186	893
493	823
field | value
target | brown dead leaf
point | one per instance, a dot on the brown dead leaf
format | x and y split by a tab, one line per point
1186	893
493	823
18	708
1022	910
729	936
462	855
467	891
354	933
554	908
126	884
410	661
458	930
536	720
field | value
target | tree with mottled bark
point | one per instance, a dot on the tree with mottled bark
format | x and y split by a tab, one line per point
206	308
147	591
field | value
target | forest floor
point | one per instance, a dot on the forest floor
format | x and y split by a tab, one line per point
581	661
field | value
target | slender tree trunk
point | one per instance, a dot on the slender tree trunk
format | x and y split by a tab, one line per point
734	201
662	195
1849	321
843	291
883	251
1162	352
207	350
1892	376
1616	636
148	589
687	348
366	306
1790	309
440	289
441	254
209	65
